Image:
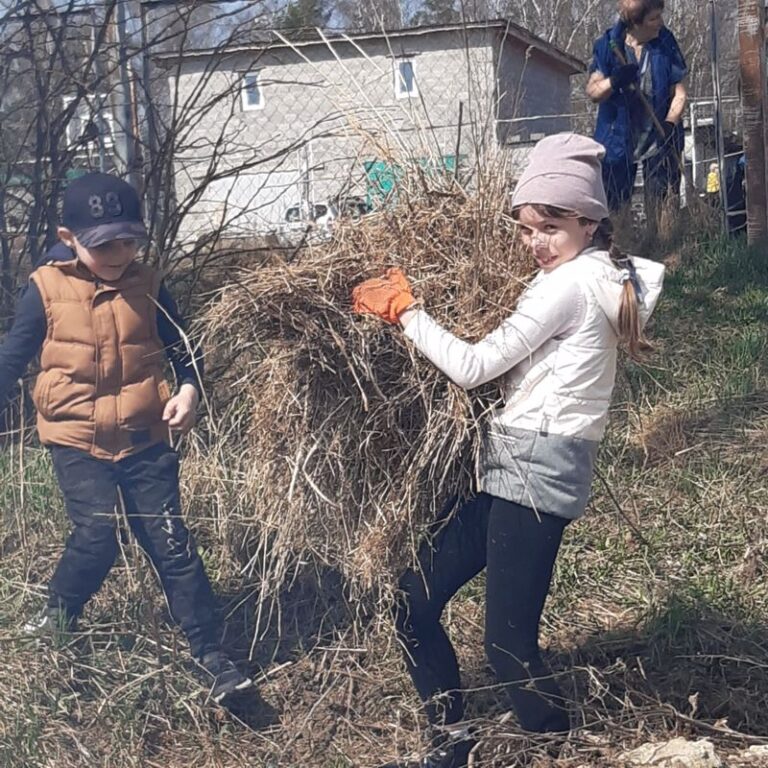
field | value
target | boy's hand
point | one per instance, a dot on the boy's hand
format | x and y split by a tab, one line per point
181	410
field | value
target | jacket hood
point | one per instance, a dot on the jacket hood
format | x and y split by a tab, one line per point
57	252
607	283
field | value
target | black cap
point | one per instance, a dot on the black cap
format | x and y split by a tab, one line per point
98	208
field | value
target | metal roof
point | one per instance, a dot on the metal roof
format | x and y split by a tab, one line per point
504	26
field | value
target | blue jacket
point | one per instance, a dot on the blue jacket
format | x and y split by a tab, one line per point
616	114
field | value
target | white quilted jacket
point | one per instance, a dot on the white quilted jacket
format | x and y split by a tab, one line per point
555	358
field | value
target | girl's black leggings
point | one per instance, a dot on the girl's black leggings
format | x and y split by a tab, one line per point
518	547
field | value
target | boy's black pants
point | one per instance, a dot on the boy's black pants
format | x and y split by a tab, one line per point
149	484
518	548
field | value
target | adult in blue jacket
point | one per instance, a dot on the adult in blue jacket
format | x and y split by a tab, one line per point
639	54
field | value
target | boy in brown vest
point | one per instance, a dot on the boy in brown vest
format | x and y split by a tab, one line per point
104	325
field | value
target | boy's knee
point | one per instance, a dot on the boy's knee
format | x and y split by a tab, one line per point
171	543
97	532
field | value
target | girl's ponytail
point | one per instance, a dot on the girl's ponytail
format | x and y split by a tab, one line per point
631	334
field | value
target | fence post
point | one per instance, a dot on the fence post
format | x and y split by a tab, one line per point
753	95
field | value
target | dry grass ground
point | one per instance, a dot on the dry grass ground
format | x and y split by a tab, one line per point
657	624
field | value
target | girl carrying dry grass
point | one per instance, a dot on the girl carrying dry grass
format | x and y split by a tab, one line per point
557	358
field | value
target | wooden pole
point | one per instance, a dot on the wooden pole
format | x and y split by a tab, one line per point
751	21
718	113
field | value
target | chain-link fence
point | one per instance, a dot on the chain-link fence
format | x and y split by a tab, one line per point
715	154
232	130
255	136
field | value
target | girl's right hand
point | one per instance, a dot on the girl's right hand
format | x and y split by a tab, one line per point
386	297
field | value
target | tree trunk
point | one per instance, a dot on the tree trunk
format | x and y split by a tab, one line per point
753	96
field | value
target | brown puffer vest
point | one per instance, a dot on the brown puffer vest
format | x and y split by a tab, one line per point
102	386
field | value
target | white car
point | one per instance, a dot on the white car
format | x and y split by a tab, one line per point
324	213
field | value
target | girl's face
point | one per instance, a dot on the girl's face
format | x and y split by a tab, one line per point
553	241
649	28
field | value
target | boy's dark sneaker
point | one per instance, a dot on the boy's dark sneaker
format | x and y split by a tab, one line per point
227	678
450	754
53	622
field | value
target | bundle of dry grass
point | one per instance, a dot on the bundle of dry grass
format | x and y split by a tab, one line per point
336	442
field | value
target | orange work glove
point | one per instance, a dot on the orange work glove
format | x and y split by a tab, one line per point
387	297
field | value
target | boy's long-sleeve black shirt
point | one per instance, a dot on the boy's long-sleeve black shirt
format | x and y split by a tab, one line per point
30	327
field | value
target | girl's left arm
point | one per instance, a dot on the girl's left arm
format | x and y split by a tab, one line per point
543	313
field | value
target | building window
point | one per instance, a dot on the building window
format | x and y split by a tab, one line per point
405	79
251	93
92	121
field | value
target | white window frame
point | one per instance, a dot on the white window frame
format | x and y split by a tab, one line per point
244	77
400	88
91	107
76	116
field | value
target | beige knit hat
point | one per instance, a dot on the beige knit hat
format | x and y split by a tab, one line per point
564	171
